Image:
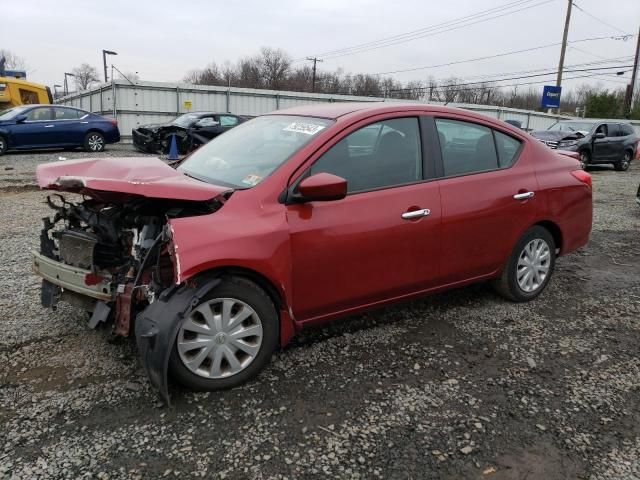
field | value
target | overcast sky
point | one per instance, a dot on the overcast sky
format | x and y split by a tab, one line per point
162	40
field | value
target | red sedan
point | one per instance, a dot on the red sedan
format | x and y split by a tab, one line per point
299	217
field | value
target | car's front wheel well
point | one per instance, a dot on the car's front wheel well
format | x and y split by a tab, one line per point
555	232
260	280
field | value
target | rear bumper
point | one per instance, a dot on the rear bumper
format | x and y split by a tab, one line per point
71	278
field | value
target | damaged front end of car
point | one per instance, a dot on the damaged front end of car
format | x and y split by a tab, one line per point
112	254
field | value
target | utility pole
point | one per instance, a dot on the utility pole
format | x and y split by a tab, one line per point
314	60
564	46
630	88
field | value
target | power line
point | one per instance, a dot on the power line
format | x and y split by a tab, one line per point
434	29
487	57
423	29
517	77
441	87
599	62
598	19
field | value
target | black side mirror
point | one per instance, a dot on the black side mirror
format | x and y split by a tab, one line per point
21	118
599	135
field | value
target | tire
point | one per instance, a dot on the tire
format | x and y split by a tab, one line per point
4	145
623	165
203	374
94	142
508	284
585	159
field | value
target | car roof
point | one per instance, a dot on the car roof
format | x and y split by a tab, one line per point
336	110
207	113
32	105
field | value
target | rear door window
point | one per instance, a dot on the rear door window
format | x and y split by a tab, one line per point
466	147
61	113
627	129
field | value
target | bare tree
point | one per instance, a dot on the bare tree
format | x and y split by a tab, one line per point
84	76
274	67
12	61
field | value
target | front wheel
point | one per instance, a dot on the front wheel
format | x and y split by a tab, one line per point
623	165
94	142
3	145
530	266
227	339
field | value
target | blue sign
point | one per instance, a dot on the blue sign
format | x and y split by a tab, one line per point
551	96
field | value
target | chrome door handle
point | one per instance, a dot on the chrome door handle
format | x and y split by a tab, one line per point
416	214
48	126
84	122
524	196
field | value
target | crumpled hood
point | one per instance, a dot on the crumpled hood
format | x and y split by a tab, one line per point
152	127
556	135
117	179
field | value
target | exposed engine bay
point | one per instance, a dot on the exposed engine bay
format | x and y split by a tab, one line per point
121	252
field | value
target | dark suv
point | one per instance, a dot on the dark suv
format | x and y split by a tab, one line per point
597	141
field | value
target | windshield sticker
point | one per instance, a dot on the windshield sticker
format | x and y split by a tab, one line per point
306	128
252	179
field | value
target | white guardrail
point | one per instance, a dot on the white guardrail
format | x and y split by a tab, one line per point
155	102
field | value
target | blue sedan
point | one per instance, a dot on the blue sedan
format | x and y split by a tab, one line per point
50	126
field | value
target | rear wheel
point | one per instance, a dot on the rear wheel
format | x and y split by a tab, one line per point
623	165
226	339
3	145
94	142
585	158
530	266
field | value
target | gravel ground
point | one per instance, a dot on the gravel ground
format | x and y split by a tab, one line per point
458	385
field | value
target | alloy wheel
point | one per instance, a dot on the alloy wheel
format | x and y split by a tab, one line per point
533	265
584	160
220	338
96	143
625	161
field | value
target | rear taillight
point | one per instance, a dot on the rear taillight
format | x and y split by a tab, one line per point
113	122
583	176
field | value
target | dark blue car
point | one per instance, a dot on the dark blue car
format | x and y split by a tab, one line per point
50	126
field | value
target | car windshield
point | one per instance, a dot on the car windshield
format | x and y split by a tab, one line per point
12	112
244	156
186	120
571	126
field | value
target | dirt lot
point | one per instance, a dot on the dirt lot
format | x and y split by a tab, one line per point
458	385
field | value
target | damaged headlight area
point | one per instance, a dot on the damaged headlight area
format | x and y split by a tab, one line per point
111	259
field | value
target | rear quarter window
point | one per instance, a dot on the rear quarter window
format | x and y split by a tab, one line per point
507	147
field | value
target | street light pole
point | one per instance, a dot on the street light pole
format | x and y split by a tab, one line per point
66	84
104	62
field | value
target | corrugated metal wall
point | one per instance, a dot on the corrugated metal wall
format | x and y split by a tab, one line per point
153	102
